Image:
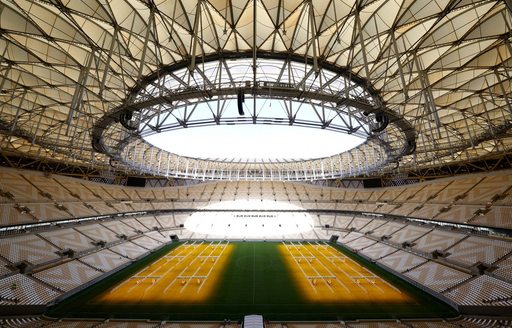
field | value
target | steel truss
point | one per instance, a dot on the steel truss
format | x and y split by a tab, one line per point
306	95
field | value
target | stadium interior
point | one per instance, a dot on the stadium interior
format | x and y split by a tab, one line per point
110	218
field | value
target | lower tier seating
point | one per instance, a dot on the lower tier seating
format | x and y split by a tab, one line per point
483	291
22	290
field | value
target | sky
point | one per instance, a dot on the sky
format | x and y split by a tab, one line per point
254	142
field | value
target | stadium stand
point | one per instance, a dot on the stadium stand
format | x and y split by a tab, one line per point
68	239
401	261
160	205
504	269
166	220
478	249
385	208
22	290
104	260
49	188
68	276
121	206
497	216
102	208
438	240
27	248
358	223
4	270
143	206
409	234
20	189
129	250
119	228
403	246
98	191
489	188
427	210
342	221
147	242
483	291
77	210
387	229
505	199
135	224
456	189
366	207
484	322
372	226
378	251
457	213
348	237
149	194
162	238
360	243
426	194
405	209
47	211
437	276
13	214
98	233
429	191
76	189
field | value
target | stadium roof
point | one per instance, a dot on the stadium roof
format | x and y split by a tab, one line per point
439	70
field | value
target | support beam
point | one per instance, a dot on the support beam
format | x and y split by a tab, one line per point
79	91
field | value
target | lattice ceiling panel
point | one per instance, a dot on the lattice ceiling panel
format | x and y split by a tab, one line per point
442	65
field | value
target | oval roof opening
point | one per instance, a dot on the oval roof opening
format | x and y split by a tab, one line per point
254	142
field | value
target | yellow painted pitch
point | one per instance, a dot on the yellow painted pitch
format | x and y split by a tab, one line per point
323	274
187	274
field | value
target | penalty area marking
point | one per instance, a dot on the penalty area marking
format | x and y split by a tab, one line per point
327	277
312	279
360	274
180	247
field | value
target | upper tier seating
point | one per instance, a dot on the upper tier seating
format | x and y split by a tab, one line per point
480	199
360	243
409	234
29	248
13	182
388	229
147	242
498	216
104	260
378	250
401	261
129	250
490	187
119	228
372	226
437	240
456	188
135	224
12	214
68	239
97	232
68	275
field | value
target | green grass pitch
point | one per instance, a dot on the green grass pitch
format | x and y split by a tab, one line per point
256	281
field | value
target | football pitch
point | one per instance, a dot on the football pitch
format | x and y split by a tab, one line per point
215	280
